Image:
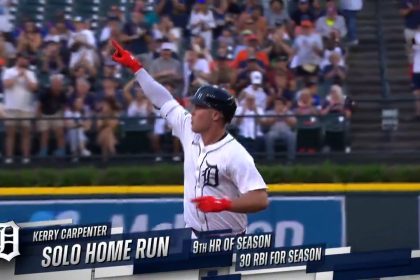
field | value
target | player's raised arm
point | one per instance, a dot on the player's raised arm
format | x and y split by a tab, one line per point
153	90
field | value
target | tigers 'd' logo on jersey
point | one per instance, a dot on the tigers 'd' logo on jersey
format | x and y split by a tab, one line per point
210	175
9	241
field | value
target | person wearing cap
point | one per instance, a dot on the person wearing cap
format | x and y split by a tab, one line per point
255	89
249	120
308	49
252	50
332	22
19	85
221	182
166	68
82	44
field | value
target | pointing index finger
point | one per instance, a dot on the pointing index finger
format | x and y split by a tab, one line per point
116	45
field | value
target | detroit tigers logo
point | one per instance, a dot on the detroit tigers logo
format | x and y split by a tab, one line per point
9	240
210	175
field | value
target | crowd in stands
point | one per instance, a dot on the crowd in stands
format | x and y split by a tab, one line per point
284	61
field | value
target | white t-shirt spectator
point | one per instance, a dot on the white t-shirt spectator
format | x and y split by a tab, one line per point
326	57
19	96
305	53
206	19
259	95
249	128
87	53
138	110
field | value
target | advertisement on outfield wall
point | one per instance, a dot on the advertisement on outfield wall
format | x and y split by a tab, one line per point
294	221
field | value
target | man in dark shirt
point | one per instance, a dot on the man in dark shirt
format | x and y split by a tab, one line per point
303	12
138	33
52	102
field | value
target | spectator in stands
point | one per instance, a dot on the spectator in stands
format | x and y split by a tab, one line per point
167	69
83	70
178	10
222	74
243	75
308	136
410	10
137	33
29	40
139	105
166	30
109	89
82	44
5	16
416	70
308	49
350	9
339	110
7	50
112	30
258	23
202	22
249	134
220	14
335	103
226	39
311	86
282	82
252	50
77	125
196	73
107	125
279	44
305	104
255	89
52	62
281	128
82	90
277	13
333	45
304	12
52	102
19	84
332	22
334	73
110	71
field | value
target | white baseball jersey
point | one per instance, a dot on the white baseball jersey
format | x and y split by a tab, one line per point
222	169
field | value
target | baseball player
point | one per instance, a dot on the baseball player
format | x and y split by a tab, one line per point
221	182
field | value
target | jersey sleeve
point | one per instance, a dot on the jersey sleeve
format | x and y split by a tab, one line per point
178	118
244	173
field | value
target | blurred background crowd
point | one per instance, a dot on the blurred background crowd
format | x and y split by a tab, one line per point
283	60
